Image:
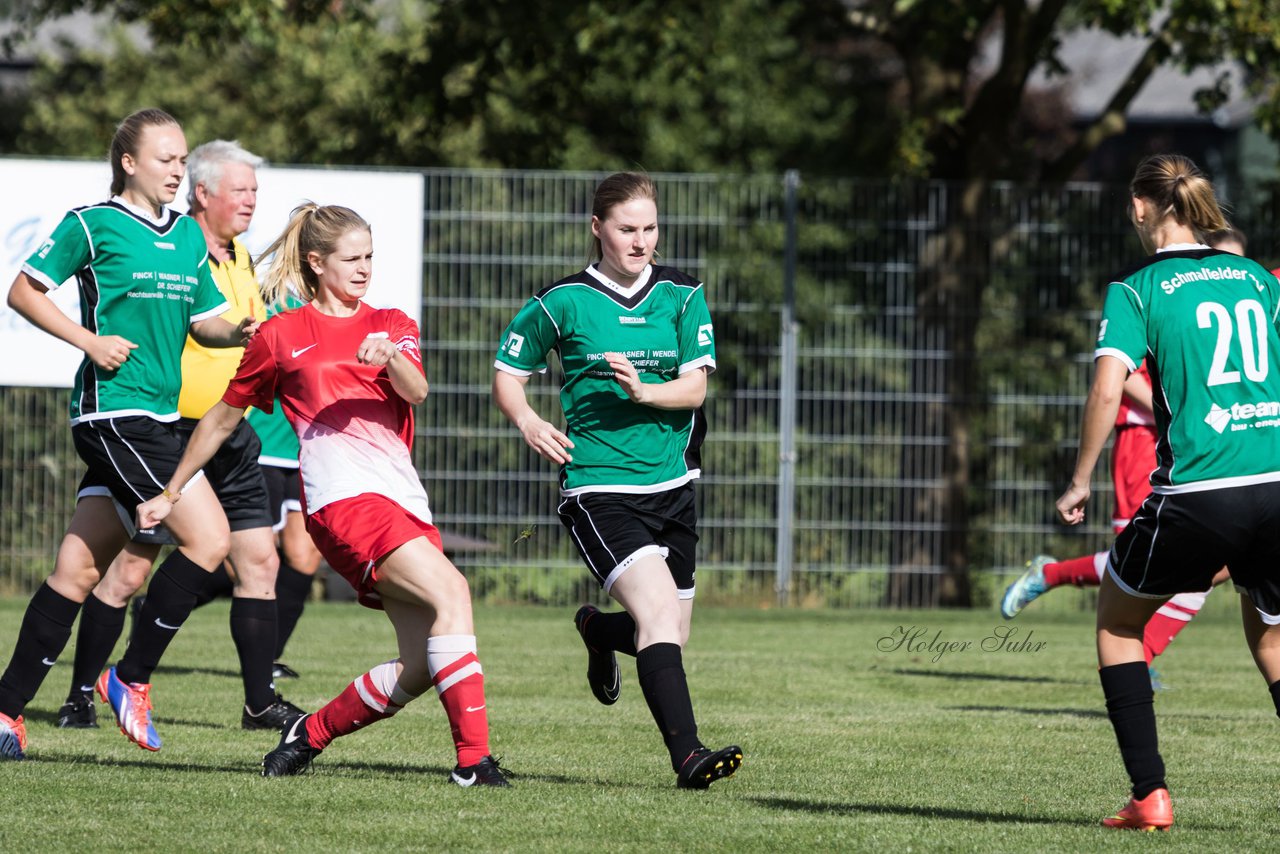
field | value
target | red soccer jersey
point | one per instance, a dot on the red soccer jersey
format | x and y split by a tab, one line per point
1129	415
354	431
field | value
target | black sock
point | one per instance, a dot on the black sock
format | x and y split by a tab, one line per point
292	590
1274	688
661	673
217	584
615	630
100	628
253	628
46	628
1127	688
170	598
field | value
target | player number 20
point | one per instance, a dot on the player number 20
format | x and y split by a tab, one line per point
1251	322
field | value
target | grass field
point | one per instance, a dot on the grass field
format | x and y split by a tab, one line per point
852	743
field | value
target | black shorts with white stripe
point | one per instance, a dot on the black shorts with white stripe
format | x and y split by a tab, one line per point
613	530
284	493
131	457
236	479
1177	543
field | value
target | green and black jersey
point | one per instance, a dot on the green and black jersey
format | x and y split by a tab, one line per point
142	279
661	323
1206	322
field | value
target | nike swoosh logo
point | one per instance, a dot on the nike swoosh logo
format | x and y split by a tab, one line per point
297	353
464	781
48	663
165	625
475	708
293	731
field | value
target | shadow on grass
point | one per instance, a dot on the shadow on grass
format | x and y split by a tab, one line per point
836	809
968	675
1075	713
828	808
179	670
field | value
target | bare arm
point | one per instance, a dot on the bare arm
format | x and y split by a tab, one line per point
1138	390
30	299
210	433
216	332
406	377
1099	417
510	398
686	391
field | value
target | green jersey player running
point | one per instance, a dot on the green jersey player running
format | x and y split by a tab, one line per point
635	343
1206	323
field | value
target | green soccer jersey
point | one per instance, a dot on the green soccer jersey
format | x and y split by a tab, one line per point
146	281
662	325
1205	321
279	442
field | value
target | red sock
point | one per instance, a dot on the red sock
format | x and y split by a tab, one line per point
363	702
1080	571
460	684
1159	633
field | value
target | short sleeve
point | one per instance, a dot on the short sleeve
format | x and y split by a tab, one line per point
527	340
695	334
208	301
65	252
405	335
1122	332
255	381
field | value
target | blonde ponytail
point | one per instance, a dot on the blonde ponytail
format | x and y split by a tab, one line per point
311	228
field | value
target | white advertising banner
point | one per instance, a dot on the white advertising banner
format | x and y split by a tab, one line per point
40	192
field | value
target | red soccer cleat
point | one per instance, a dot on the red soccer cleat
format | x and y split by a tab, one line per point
1154	812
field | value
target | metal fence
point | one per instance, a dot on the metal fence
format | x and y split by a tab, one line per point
860	445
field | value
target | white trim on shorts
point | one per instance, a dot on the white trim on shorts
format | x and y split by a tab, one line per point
126	518
630	561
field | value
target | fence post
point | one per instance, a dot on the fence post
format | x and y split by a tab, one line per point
787	398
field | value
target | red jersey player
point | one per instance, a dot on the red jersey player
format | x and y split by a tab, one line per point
347	376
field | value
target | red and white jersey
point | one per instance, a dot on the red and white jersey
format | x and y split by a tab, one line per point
1129	415
354	431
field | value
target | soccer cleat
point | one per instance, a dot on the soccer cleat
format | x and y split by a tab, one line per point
602	665
1157	681
293	754
280	670
1154	812
13	737
276	716
78	713
1029	585
131	704
486	772
704	766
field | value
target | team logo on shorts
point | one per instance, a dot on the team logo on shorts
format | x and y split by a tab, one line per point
513	346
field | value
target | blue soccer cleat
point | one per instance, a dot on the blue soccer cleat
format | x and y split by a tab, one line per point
1029	585
131	703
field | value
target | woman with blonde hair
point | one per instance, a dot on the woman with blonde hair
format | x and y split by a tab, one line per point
348	376
1205	321
143	283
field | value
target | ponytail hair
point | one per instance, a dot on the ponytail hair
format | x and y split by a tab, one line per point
128	136
1177	188
618	189
311	228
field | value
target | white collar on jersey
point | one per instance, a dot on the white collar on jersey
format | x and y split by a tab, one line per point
143	212
1181	247
640	282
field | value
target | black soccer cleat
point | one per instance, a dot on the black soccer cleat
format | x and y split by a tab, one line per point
704	766
294	753
78	713
276	716
486	772
602	665
280	670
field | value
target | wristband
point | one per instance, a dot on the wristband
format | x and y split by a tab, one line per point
169	496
